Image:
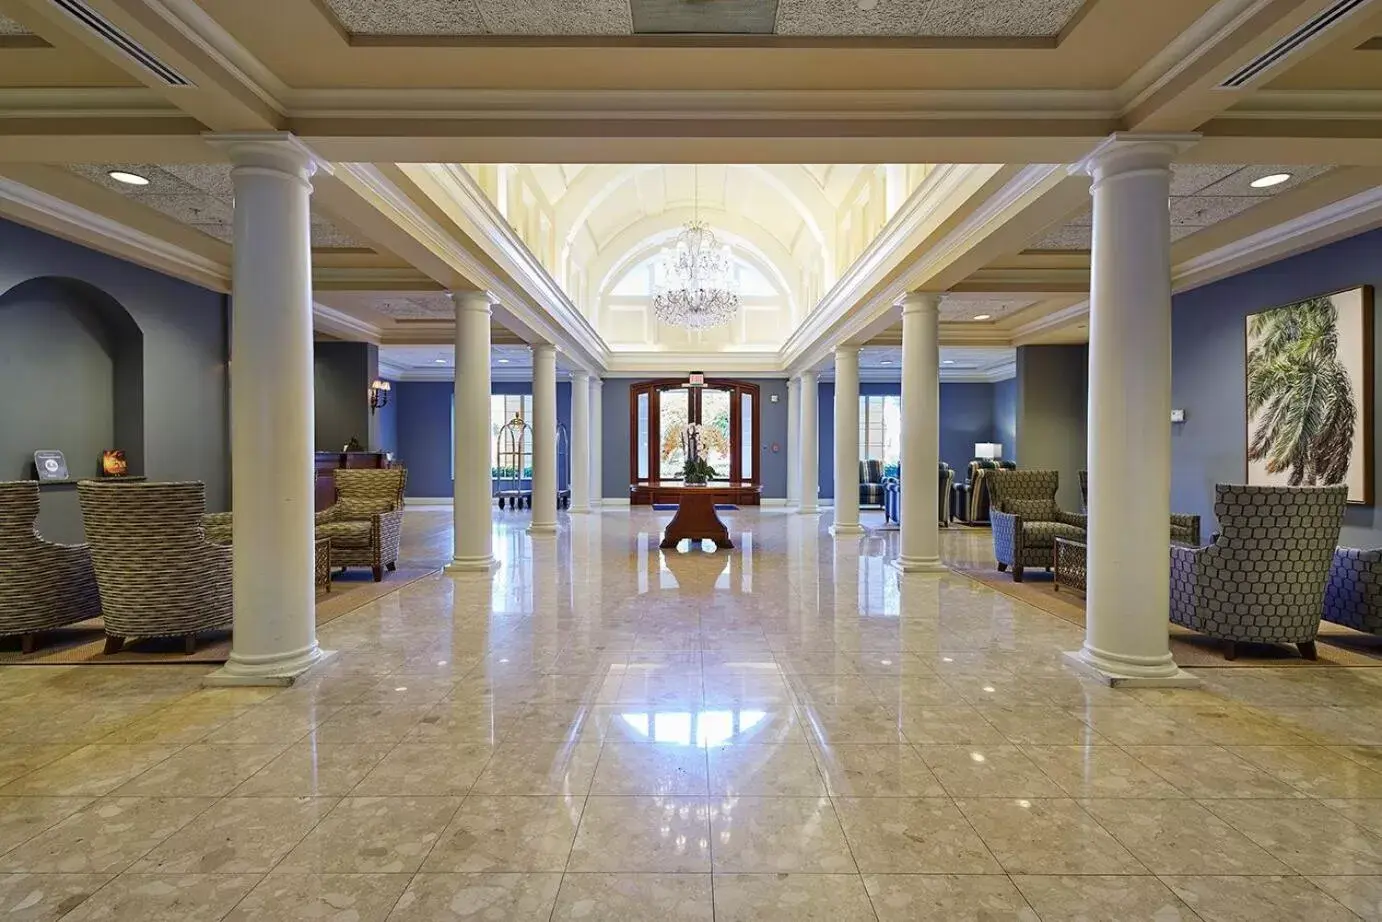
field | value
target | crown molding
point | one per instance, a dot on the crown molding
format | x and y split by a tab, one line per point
1218	22
739	364
939	194
71	222
1344	218
849	105
1310	104
85	102
338	323
195	25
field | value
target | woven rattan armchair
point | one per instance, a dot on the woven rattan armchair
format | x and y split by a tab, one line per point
1027	521
43	585
158	574
365	524
1185	528
1263	578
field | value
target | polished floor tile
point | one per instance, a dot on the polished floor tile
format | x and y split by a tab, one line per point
602	731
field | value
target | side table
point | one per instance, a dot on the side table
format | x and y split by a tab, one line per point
322	564
1069	567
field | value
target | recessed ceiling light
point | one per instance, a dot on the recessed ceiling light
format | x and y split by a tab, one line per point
982	316
503	361
886	362
948	362
439	361
129	179
1266	182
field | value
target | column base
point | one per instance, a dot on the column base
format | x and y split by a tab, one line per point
542	528
471	564
804	509
276	671
906	565
579	510
1130	672
845	530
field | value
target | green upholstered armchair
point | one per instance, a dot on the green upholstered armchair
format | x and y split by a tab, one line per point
1027	521
365	524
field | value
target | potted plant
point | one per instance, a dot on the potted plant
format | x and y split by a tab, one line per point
697	472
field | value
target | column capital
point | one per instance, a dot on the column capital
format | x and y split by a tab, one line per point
544	350
477	301
1125	152
281	151
915	301
847	349
580	376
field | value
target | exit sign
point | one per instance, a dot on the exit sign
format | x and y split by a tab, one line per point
697	379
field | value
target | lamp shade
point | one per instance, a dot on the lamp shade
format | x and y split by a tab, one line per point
988	451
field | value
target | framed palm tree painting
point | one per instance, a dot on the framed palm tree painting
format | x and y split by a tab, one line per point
1309	393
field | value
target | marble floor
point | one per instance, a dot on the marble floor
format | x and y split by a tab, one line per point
602	731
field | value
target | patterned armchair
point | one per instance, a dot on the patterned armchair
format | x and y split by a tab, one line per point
1263	578
1353	594
43	585
158	574
1026	519
1184	528
892	497
365	524
871	483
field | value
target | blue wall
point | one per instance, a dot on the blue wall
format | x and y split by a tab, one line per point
424	429
1207	372
967	415
1005	417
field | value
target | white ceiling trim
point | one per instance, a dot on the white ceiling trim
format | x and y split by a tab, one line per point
1218	23
338	323
201	30
942	191
72	222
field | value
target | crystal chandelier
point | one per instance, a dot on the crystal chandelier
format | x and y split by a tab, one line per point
693	279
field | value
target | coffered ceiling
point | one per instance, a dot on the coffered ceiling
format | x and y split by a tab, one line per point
1202	194
934	18
197	194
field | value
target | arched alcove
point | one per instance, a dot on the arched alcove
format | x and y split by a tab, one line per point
71	379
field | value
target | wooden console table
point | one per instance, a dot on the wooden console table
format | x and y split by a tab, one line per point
696	517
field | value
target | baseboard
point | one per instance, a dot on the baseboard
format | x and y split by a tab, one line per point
428	500
615	501
772	501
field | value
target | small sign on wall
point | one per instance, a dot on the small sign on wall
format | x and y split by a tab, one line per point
1177	416
50	465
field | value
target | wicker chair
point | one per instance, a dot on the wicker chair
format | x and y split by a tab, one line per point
1184	528
1263	578
43	585
1353	594
871	483
1026	519
892	497
158	574
366	523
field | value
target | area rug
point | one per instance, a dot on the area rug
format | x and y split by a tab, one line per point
82	644
1336	645
672	507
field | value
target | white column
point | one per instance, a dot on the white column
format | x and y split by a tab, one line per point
473	488
544	439
794	442
846	442
1126	625
919	543
807	464
271	413
580	442
597	439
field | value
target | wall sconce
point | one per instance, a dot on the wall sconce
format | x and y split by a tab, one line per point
379	394
988	451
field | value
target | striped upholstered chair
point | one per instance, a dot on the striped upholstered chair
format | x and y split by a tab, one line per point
158	573
871	482
43	585
365	524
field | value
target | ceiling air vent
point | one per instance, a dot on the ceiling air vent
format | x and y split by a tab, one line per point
1289	44
128	46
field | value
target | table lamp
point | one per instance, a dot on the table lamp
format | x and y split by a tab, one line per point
988	451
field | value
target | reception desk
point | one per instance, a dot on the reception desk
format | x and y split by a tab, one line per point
327	462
